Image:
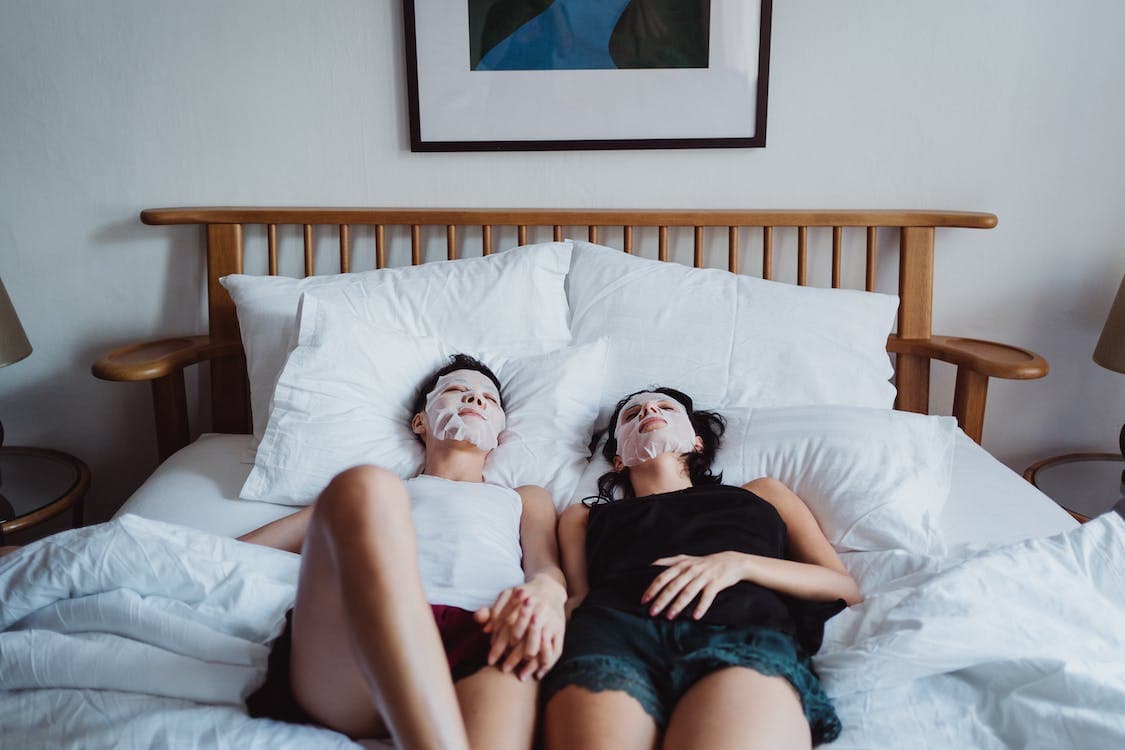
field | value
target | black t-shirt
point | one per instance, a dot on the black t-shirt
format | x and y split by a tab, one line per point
624	537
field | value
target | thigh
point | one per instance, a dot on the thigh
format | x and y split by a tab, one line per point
498	709
739	708
580	718
324	675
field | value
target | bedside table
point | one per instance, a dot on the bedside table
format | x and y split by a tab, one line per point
37	484
1083	484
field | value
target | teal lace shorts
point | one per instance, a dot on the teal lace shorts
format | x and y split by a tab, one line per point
656	661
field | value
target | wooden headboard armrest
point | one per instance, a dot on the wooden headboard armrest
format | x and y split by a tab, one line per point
163	363
976	361
150	360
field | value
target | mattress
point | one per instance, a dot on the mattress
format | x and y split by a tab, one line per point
199	485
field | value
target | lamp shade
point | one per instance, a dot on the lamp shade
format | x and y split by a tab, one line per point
14	345
1110	352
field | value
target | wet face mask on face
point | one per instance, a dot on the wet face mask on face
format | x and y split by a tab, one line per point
668	428
465	405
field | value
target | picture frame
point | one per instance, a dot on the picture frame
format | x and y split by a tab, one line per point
514	75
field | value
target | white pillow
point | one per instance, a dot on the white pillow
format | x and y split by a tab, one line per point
345	397
729	339
875	479
510	302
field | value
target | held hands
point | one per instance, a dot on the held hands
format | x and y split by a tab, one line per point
688	576
526	623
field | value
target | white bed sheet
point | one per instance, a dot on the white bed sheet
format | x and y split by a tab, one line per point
1036	639
198	487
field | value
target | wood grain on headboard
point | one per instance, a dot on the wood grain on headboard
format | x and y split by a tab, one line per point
914	345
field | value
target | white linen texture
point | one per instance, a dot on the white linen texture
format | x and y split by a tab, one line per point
873	478
1014	647
137	633
345	398
728	339
510	303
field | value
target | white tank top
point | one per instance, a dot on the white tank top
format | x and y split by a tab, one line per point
468	540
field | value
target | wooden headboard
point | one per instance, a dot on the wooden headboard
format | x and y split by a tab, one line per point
644	232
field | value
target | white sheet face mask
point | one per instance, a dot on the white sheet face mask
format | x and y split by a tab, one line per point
669	428
465	405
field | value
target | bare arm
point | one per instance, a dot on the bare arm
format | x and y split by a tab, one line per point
537	536
286	533
572	543
526	622
816	571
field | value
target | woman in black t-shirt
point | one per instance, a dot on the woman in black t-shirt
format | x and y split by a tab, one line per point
695	606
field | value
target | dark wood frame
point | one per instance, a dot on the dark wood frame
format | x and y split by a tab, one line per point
758	140
914	345
74	496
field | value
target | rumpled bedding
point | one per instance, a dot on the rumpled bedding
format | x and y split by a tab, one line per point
1017	647
137	633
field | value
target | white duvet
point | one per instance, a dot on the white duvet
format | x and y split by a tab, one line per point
137	633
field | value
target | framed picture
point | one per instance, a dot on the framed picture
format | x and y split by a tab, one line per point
530	75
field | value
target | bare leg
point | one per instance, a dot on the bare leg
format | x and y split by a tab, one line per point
740	709
499	709
577	717
366	652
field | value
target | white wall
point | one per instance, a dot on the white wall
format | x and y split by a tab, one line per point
1010	106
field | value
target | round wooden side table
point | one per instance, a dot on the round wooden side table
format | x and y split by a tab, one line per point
1083	484
37	484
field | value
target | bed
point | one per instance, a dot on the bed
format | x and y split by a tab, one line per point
955	645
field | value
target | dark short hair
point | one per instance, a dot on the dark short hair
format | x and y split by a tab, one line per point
456	362
708	425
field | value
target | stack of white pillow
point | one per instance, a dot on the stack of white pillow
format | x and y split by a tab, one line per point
801	374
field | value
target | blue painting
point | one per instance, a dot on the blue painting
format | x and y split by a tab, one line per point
588	34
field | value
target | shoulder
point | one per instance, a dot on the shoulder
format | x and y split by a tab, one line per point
773	491
574	520
786	502
575	514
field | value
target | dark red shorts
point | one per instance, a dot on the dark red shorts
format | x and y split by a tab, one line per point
466	648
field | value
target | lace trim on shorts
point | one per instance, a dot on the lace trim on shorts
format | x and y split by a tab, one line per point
600	673
823	722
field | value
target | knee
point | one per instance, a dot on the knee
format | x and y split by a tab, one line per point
362	491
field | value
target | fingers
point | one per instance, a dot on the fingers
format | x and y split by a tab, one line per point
552	649
531	666
482	616
534	635
496	611
662	579
500	642
671	560
520	618
669	591
708	596
685	597
515	656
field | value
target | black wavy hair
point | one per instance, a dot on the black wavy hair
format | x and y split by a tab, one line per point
708	425
456	362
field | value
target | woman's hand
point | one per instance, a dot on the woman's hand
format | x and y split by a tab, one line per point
526	623
689	576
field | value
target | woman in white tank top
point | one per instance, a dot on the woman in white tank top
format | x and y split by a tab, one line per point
425	609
